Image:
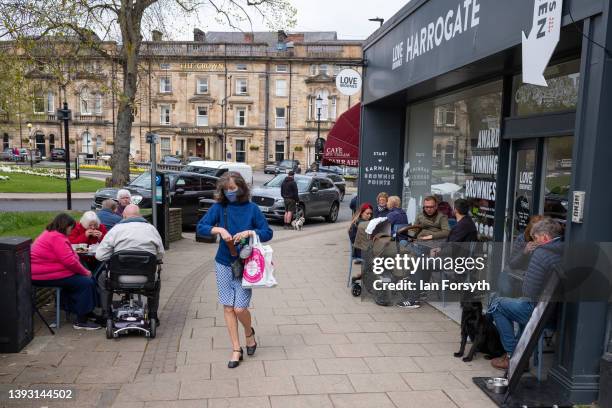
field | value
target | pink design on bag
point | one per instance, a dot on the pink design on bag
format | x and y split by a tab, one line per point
254	267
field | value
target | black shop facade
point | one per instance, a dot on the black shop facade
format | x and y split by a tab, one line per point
446	111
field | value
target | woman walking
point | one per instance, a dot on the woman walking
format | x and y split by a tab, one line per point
234	218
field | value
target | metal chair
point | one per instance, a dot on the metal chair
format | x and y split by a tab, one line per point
58	315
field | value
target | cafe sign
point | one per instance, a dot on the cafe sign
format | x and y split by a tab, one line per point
348	82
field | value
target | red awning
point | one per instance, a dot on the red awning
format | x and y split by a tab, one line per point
342	145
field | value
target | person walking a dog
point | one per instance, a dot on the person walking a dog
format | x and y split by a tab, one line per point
289	192
505	311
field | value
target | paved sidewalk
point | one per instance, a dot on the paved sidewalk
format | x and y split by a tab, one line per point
318	345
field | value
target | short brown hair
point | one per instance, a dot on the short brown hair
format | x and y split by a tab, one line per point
222	183
431	198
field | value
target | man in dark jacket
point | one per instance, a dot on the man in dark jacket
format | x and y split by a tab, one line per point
505	311
107	214
465	229
289	192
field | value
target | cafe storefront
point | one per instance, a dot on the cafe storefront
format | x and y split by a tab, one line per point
445	111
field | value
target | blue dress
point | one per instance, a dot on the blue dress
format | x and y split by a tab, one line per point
235	218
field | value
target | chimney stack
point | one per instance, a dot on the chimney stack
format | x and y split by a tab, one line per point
157	35
198	35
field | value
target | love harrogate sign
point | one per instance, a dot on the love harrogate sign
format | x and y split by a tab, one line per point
348	82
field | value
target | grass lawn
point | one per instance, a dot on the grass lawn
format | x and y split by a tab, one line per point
25	183
28	224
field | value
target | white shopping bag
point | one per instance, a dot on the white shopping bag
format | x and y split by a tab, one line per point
259	267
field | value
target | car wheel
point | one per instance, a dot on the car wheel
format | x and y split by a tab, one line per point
333	213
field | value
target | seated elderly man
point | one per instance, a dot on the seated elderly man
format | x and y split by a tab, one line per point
133	233
505	311
107	214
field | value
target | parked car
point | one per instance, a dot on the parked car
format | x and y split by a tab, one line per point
337	179
327	169
218	168
270	168
285	166
58	154
7	154
318	198
169	159
191	159
186	190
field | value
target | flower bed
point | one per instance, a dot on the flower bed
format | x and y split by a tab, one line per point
107	168
36	171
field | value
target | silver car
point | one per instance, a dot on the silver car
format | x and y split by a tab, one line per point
319	197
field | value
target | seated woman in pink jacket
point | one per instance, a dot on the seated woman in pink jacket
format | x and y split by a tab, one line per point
54	263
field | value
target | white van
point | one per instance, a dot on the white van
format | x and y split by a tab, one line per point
217	168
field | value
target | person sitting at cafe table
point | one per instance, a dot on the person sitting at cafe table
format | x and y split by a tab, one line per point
133	233
88	231
55	264
124	198
381	209
434	224
108	213
396	215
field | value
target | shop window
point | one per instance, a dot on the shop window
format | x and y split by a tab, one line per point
242	86
240	150
241	118
281	87
561	94
452	152
202	87
164	114
202	117
164	146
165	85
280	118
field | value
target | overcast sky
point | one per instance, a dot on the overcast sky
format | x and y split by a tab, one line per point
347	17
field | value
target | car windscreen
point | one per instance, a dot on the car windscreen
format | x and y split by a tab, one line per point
286	163
144	181
209	171
302	182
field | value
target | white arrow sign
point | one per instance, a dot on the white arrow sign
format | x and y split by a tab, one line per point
538	48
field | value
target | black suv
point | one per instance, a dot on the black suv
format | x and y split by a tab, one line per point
337	179
186	190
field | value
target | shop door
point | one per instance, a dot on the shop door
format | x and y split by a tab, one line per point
541	171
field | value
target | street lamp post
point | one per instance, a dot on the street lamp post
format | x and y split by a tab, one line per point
29	125
65	115
318	143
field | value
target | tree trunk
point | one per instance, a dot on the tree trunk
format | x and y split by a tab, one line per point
130	22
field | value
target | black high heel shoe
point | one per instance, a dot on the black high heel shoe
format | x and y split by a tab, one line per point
251	349
234	363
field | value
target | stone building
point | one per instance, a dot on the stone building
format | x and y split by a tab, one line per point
247	97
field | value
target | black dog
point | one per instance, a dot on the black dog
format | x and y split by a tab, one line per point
482	332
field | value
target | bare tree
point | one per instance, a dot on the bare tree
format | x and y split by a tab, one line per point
114	30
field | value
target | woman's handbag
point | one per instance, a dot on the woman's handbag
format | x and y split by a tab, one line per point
259	267
237	265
